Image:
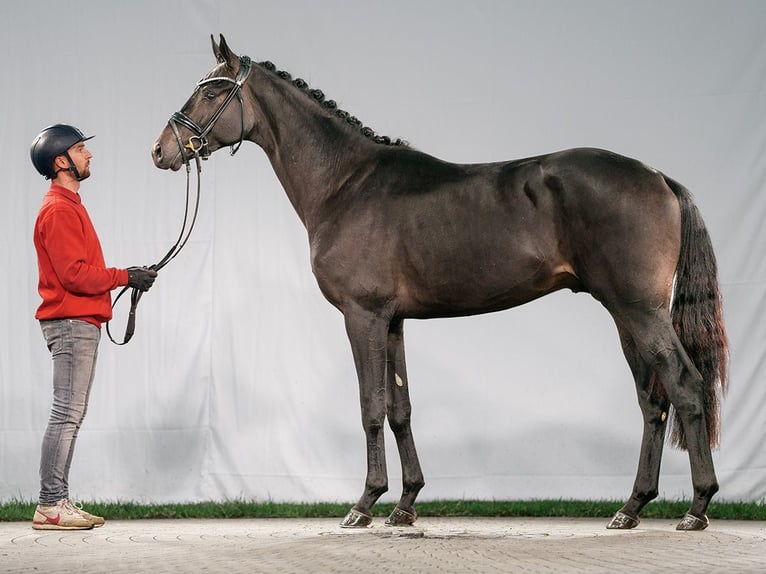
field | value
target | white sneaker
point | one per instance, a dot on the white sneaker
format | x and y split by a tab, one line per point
61	516
96	520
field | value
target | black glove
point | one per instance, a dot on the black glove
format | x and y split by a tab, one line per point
141	278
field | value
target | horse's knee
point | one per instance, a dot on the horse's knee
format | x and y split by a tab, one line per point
373	424
399	422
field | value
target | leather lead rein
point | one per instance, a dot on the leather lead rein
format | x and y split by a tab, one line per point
197	145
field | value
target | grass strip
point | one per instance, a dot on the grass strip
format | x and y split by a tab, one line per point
17	510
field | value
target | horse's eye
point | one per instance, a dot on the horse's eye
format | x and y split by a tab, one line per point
208	95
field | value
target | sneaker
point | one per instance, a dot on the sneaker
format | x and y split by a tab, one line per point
95	520
60	516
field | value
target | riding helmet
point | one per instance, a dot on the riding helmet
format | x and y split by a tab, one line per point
53	141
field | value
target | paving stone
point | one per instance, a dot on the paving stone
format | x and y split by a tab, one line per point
432	545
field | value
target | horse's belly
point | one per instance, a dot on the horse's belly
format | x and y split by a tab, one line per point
482	291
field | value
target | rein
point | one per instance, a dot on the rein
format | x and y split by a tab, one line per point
183	237
197	144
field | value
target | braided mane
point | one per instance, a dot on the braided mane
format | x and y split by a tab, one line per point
319	97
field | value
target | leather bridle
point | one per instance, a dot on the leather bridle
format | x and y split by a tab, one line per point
197	144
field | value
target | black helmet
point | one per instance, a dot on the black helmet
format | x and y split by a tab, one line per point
53	141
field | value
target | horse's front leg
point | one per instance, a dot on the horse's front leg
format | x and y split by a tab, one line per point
368	333
399	416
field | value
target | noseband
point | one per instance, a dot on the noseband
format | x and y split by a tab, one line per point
197	143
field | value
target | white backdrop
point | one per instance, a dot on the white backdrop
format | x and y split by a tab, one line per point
239	382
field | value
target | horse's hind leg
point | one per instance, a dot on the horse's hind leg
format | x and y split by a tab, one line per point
654	409
399	415
659	346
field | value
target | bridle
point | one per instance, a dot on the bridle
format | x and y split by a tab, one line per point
197	143
198	146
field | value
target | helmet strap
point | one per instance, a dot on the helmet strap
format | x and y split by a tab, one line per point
71	167
76	173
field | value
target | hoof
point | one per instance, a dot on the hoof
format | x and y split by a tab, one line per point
401	517
622	521
691	522
355	519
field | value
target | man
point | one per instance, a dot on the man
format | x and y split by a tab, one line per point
75	287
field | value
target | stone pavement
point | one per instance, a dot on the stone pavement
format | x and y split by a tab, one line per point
442	545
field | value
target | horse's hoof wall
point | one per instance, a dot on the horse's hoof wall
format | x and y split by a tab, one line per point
692	523
356	519
622	521
401	517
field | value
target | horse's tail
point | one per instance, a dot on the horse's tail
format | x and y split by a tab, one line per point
697	314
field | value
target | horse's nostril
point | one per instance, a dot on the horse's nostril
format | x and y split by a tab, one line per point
157	151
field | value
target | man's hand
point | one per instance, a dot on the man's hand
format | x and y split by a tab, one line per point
141	278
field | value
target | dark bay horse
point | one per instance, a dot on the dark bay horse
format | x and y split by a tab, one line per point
396	233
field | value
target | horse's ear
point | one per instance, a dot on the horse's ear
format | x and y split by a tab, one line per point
216	49
222	52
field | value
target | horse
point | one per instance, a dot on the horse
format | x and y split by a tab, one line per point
396	233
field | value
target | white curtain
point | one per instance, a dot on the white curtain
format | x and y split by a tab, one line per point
239	382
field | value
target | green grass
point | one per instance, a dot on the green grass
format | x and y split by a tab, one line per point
16	510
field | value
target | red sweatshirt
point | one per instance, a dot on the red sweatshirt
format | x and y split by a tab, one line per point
74	280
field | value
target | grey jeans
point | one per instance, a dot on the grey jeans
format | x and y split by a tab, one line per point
74	347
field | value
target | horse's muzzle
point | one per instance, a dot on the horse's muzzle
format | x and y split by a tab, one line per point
166	160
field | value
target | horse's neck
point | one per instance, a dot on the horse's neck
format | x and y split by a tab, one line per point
312	153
